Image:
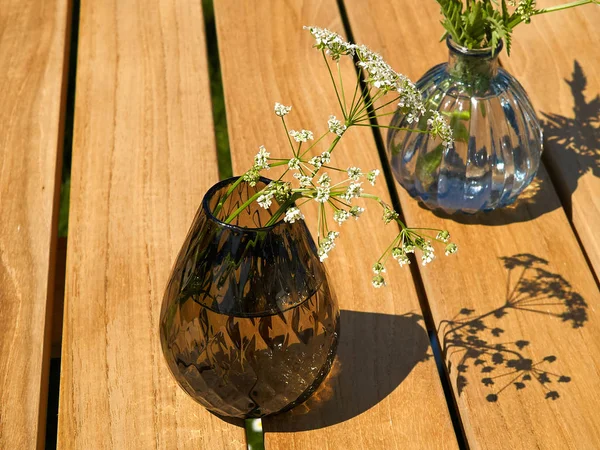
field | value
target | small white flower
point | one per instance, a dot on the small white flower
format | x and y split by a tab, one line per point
294	163
292	215
302	135
325	180
304	180
408	248
354	173
316	161
356	211
261	158
322	194
389	215
427	257
354	190
399	255
252	176
378	268
325	157
450	249
372	175
335	126
341	215
282	110
378	281
327	244
265	200
443	236
331	42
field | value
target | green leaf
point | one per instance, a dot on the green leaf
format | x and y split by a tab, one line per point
428	164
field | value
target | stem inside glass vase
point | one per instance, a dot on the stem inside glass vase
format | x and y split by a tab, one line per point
232	202
473	69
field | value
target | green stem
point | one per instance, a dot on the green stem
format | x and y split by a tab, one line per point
344	109
565	6
412	130
334	85
288	136
247	203
226	196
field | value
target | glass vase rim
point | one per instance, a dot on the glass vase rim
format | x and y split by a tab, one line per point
487	52
221	184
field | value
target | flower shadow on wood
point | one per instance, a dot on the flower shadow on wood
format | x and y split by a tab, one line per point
376	353
477	338
572	149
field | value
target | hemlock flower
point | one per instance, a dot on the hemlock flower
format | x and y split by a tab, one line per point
389	215
327	244
400	255
354	173
378	268
341	215
282	110
302	135
354	190
265	200
335	126
293	214
372	175
316	162
443	236
324	180
294	163
356	211
322	194
450	249
304	180
251	177
378	281
261	158
315	184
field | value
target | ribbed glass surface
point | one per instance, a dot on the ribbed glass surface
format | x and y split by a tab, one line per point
498	139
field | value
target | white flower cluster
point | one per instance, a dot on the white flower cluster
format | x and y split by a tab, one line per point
439	127
335	126
302	135
327	244
332	43
282	110
381	75
261	162
293	214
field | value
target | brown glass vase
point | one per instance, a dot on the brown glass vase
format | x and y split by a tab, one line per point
249	326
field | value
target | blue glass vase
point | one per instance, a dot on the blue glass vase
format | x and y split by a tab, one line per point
497	136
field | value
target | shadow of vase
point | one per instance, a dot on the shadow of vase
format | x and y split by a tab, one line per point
376	353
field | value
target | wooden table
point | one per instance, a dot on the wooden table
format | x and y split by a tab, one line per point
515	314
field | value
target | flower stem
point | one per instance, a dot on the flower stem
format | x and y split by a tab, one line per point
334	85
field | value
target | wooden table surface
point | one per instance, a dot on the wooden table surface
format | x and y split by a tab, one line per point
512	320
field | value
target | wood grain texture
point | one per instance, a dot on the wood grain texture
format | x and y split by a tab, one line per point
143	156
33	38
384	391
556	58
521	335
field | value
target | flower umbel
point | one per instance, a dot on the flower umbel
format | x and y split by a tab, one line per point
339	193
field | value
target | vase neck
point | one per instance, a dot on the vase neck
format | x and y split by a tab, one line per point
474	68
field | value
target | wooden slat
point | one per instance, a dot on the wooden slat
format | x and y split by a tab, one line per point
144	154
33	38
542	326
384	391
557	60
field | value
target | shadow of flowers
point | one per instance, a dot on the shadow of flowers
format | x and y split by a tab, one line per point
531	288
